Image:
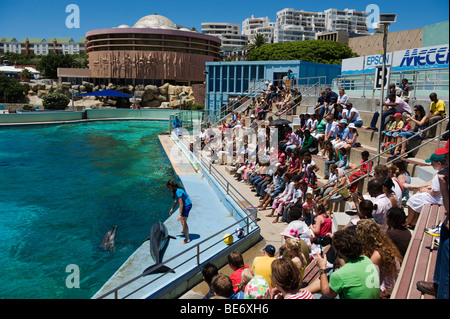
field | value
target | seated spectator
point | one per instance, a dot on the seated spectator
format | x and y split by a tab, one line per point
342	134
246	276
307	209
404	90
236	262
328	187
394	104
377	246
429	193
323	223
364	168
309	143
397	231
352	116
437	113
299	231
258	288
349	281
330	98
287	281
294	248
342	97
379	198
343	161
351	139
209	271
388	189
395	127
337	194
223	287
403	177
421	120
319	109
332	157
261	264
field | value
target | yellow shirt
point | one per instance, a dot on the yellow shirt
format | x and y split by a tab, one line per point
399	125
263	266
438	106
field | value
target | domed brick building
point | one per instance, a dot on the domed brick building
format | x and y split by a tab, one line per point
154	51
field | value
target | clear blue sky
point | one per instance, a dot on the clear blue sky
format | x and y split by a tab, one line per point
46	18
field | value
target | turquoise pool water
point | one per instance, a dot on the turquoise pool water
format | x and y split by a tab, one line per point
62	188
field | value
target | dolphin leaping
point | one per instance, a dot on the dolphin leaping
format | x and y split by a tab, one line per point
107	243
159	240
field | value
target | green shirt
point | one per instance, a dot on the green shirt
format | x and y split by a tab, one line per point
321	126
357	279
308	142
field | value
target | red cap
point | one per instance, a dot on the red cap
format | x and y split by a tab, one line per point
442	150
397	114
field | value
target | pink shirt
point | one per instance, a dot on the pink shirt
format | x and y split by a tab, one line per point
305	294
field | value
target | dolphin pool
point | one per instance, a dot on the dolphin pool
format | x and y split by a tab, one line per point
62	188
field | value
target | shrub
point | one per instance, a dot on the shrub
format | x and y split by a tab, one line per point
55	101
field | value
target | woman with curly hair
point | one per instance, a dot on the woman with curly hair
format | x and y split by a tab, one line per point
383	253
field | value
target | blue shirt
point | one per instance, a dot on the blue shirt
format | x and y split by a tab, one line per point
176	123
180	193
343	134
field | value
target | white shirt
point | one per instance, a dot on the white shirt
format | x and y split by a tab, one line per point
383	205
288	190
333	127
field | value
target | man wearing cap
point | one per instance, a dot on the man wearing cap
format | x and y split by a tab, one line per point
341	136
262	264
429	193
439	287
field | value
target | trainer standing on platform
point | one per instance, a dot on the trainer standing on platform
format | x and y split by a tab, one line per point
181	197
177	125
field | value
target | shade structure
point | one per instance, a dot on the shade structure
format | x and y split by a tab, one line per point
279	122
106	93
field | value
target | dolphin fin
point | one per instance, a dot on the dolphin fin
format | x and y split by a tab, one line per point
160	270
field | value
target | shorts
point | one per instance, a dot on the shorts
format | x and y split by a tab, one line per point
186	210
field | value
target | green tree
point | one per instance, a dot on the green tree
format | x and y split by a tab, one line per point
49	64
25	74
11	91
318	51
55	101
257	41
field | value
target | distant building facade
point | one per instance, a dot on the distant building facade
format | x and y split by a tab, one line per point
41	46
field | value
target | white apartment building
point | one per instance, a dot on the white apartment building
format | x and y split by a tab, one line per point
348	20
41	46
252	26
299	25
228	33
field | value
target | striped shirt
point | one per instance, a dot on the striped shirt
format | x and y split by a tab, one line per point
305	294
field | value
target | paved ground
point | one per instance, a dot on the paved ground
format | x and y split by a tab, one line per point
270	233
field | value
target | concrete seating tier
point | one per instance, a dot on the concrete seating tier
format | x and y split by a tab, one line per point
420	259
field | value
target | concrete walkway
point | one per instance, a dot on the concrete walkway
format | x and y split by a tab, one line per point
270	234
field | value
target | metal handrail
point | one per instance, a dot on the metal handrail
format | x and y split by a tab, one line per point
249	219
251	90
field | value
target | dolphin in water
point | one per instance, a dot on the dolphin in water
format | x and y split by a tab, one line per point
159	240
107	243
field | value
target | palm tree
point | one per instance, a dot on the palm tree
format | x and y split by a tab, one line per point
258	41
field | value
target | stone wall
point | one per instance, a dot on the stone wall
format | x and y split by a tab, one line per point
150	96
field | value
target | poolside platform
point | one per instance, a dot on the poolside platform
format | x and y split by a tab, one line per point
208	216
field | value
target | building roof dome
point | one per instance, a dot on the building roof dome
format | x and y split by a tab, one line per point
155	21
